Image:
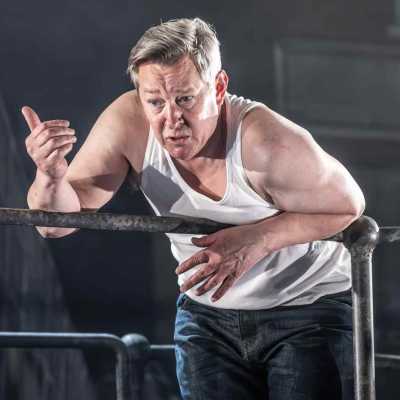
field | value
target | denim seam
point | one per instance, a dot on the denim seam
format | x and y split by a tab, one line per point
242	338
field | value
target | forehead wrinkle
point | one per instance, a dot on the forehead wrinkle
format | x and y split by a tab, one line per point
179	81
177	78
171	86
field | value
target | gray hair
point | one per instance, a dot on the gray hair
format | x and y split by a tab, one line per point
168	42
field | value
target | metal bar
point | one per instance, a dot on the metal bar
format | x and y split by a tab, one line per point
116	222
361	238
162	347
389	234
81	341
109	221
140	352
387	361
388	357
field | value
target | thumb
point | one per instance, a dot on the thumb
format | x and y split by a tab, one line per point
204	241
31	118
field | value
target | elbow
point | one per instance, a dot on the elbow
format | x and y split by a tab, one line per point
54	233
360	204
356	207
361	208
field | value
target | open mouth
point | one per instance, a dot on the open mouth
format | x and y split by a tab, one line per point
177	139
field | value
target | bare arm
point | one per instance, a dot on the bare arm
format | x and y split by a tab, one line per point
51	194
316	194
48	143
91	179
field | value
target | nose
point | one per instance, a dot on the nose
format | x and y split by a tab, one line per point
173	115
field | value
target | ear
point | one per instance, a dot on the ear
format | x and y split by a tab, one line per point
221	86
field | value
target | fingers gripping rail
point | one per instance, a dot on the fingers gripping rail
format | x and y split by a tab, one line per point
360	238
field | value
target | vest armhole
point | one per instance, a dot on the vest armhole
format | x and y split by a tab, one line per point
237	154
147	155
237	146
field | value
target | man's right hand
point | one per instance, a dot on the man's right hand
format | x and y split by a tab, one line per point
48	143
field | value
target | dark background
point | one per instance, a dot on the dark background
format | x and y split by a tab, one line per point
332	66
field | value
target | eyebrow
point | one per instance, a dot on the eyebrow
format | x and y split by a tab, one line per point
151	91
180	91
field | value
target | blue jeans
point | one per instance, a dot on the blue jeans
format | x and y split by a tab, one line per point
284	353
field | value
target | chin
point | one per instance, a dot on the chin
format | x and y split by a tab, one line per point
183	154
180	155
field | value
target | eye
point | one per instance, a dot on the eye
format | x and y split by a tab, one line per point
156	103
184	100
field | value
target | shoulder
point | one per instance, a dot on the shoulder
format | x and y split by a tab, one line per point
124	113
124	127
268	137
283	160
118	137
278	155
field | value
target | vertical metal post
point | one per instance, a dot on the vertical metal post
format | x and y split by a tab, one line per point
123	376
361	238
138	350
78	341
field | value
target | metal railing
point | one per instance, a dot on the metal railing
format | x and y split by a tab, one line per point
360	238
124	378
131	352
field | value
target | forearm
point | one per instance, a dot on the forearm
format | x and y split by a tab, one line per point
53	195
229	253
290	228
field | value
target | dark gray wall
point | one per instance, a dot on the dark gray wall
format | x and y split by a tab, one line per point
67	59
32	299
347	94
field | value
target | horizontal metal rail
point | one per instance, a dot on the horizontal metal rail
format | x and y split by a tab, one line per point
79	341
162	347
360	238
109	221
389	234
387	360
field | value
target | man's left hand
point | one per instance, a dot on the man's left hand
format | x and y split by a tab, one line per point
226	256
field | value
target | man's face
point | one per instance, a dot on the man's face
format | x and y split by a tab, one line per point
181	108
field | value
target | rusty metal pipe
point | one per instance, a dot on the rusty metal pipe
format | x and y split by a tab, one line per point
360	238
109	221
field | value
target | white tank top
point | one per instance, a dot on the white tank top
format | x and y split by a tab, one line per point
294	275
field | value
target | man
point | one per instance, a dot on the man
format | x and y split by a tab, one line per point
266	310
